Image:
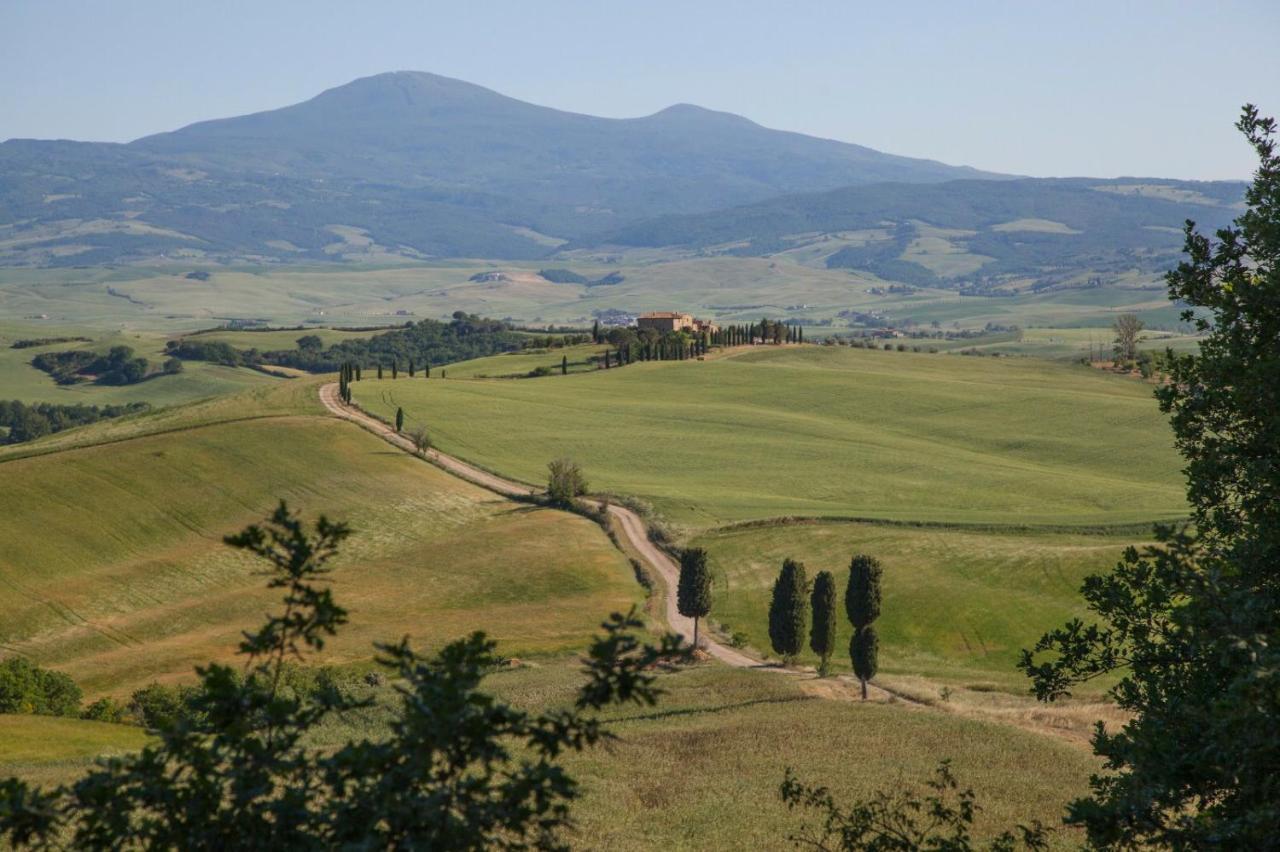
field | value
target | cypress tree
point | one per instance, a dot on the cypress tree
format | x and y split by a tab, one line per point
606	359
799	334
595	332
693	591
426	370
862	605
564	365
399	419
357	371
411	368
788	611
393	369
379	370
822	635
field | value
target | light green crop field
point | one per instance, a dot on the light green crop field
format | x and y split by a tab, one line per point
518	364
959	604
50	750
824	431
112	567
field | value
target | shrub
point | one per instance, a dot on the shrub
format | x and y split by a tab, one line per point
565	482
28	688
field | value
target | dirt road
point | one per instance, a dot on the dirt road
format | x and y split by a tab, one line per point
629	524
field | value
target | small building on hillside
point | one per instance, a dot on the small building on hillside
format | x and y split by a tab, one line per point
665	321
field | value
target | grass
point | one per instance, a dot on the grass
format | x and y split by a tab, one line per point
112	567
959	605
49	750
198	380
816	431
519	364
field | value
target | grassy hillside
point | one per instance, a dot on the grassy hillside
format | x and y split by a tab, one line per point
49	750
113	570
824	432
19	380
959	605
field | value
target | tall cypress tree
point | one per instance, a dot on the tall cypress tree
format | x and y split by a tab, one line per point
411	368
426	370
788	611
564	365
393	369
399	419
693	591
595	332
862	605
379	369
822	635
357	371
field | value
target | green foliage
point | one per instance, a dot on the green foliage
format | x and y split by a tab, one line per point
862	595
159	707
421	440
822	634
399	411
28	688
1126	328
459	770
788	610
864	654
565	482
901	819
693	591
26	422
105	710
1193	626
117	367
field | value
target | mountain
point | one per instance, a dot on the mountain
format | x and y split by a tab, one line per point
414	163
980	235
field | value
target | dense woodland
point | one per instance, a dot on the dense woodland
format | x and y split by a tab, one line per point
119	366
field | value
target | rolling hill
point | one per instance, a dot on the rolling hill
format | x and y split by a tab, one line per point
415	163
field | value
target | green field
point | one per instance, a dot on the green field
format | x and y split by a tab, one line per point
818	431
959	604
793	283
198	380
519	364
113	568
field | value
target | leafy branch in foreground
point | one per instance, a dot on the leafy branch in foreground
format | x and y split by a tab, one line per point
901	820
1192	627
460	769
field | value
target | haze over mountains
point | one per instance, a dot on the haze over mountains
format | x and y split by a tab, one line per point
416	165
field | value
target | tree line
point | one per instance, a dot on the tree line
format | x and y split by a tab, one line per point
423	343
25	422
119	366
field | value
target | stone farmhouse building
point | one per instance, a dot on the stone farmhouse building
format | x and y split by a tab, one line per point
674	321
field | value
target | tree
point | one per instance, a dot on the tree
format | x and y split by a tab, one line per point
862	605
459	769
822	633
426	370
421	440
565	482
564	365
310	343
399	419
394	369
1126	328
411	368
788	611
693	591
379	369
595	331
1192	625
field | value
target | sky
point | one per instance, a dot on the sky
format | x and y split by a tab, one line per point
1103	89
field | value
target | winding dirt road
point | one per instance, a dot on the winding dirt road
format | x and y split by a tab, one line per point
629	524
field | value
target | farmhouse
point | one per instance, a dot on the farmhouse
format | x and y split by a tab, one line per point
674	321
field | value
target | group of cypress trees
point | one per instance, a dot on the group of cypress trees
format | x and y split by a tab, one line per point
349	372
794	599
765	331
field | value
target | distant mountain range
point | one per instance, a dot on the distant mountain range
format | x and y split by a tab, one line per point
415	165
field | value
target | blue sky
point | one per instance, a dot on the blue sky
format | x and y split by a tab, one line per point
1039	88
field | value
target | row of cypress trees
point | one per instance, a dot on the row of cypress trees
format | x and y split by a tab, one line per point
764	331
347	373
794	599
